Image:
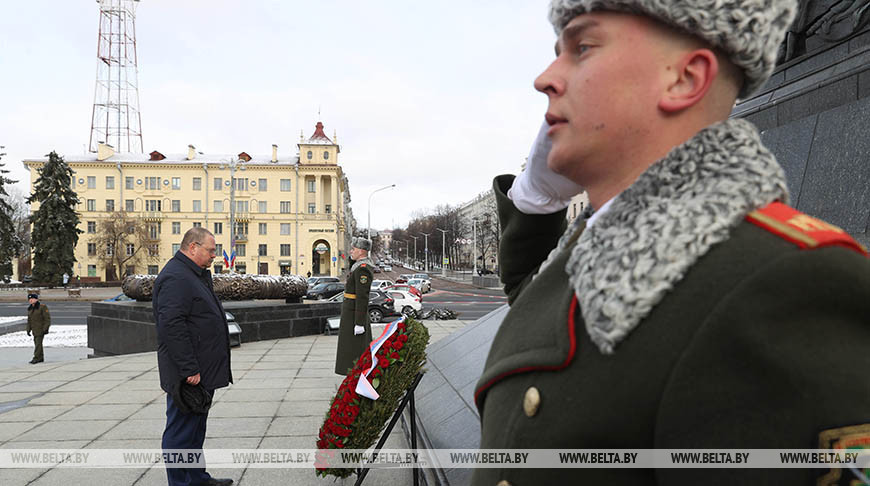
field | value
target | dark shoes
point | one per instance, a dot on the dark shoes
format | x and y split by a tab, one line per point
34	361
217	482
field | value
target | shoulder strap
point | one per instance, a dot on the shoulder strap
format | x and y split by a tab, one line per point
801	229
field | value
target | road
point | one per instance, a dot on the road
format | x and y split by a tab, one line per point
62	313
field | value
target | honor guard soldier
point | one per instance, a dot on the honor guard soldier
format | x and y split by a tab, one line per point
355	331
693	309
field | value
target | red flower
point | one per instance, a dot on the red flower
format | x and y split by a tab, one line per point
383	363
398	345
376	372
395	355
403	338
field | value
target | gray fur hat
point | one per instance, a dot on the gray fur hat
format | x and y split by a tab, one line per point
749	32
362	243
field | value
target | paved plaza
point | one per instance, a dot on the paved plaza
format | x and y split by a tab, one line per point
281	393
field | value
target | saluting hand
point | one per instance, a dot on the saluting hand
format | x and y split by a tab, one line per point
193	380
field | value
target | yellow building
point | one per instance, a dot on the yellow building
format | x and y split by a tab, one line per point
292	213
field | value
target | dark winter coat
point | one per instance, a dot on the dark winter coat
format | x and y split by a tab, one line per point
354	311
192	332
759	344
38	318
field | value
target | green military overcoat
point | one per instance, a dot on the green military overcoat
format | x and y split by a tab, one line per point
354	311
38	319
760	343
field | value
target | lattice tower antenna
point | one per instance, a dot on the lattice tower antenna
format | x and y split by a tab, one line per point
115	119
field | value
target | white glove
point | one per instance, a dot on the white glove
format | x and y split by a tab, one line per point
539	190
357	330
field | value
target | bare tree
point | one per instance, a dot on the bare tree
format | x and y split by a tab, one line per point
121	242
17	200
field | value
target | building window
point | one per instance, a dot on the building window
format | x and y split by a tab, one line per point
312	185
92	270
131	270
131	249
153	205
153	250
218	249
218	184
110	205
176	205
176	183
92	249
128	205
176	228
154	230
241	269
197	183
218	228
241	207
152	183
240	250
325	155
92	182
153	270
110	249
175	248
261	250
218	269
110	182
285	249
218	206
327	208
285	185
262	184
92	204
241	229
263	228
197	206
262	207
312	208
285	206
128	183
197	224
241	183
310	155
92	226
285	228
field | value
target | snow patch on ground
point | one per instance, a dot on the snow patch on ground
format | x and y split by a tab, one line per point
4	320
57	337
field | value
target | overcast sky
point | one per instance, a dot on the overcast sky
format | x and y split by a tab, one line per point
435	97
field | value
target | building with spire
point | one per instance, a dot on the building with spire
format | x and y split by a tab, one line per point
280	213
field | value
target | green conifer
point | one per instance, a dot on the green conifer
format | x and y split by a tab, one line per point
55	224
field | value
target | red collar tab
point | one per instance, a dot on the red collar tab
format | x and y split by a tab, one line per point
801	229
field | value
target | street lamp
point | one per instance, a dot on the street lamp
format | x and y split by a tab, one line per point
413	263
369	229
443	250
426	252
474	246
233	165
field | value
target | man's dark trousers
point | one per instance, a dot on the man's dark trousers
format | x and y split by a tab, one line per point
184	431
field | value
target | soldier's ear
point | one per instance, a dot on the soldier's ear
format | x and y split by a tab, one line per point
692	75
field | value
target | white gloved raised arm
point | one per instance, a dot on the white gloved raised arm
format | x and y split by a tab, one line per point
357	330
539	190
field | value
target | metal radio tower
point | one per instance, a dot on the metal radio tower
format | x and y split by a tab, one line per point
115	119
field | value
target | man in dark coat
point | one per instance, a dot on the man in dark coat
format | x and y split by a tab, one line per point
693	309
38	322
193	345
355	331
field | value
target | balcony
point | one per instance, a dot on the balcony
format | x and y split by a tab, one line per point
152	216
241	238
243	216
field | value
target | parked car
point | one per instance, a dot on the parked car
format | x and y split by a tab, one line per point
413	290
406	302
324	290
380	305
313	281
381	284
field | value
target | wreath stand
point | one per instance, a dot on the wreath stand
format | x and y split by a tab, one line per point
407	399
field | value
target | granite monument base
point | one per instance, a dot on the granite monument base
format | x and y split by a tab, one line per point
128	327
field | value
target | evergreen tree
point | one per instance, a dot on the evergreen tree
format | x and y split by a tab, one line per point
55	224
9	242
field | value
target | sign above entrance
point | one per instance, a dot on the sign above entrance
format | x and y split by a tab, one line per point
321	248
315	230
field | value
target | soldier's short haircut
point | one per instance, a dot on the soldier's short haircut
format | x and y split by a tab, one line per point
195	234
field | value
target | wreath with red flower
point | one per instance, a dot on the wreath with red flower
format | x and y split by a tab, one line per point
356	422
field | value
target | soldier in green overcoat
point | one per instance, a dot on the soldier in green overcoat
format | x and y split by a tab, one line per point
38	322
355	331
693	309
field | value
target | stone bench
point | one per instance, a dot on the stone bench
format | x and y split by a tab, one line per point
74	292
